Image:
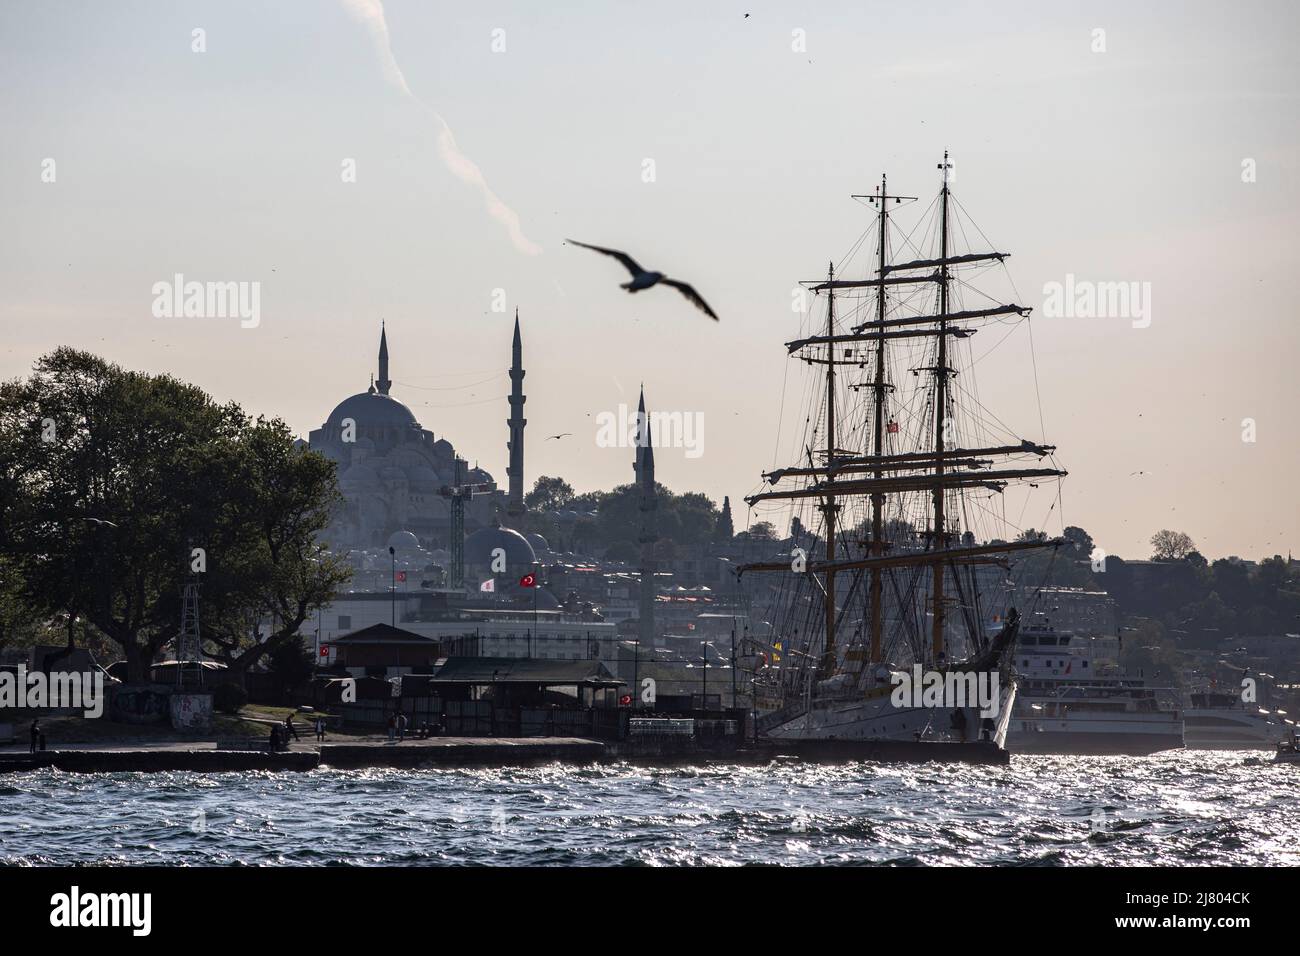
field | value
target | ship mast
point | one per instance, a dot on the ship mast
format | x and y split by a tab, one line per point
879	387
829	659
939	541
937	466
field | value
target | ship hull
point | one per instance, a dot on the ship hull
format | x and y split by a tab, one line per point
877	722
1211	729
1096	735
1092	743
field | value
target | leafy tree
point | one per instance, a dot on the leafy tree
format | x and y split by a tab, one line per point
291	664
549	494
1171	546
726	529
120	476
1080	542
269	562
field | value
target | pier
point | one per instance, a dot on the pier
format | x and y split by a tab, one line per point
452	752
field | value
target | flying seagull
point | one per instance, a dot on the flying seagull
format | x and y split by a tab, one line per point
565	435
641	279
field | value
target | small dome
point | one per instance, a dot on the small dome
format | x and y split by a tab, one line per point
403	541
480	545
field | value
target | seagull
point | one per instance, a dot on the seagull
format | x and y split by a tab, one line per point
641	279
565	435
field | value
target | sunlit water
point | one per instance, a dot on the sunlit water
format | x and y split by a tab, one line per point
1174	808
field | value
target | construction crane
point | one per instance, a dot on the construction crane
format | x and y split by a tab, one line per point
458	494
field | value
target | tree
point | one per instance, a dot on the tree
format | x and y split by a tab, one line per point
129	484
1171	546
763	530
291	664
1081	544
549	494
270	562
725	529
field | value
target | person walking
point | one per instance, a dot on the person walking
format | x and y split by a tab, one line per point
290	730
36	734
401	726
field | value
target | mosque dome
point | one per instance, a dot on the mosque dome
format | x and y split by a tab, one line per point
480	545
403	541
372	410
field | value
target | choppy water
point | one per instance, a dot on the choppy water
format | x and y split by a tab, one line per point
1176	808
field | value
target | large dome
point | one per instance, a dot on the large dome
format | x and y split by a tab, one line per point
480	545
371	409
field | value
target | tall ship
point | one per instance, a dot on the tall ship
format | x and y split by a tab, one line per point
1068	702
904	500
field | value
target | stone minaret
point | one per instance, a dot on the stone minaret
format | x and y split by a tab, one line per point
384	381
516	421
644	468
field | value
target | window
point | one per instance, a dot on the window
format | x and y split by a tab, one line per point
345	622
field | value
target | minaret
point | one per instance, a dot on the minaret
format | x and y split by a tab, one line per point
644	469
516	421
384	382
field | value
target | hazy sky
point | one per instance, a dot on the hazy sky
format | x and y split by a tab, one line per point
1123	165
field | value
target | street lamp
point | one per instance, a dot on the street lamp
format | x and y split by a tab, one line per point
704	690
392	589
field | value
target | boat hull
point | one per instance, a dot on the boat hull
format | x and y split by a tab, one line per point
875	722
1213	729
1093	744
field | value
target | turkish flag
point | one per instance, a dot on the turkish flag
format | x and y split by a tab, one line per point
401	575
528	581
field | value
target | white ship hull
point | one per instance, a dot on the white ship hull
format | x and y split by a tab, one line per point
877	719
1097	734
1212	728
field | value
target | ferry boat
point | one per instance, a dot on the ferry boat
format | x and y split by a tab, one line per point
1223	721
1066	705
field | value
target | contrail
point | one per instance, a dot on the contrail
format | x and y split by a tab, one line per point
371	15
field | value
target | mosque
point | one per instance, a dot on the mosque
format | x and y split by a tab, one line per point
395	475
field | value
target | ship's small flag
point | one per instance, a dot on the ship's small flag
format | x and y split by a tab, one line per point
892	427
625	700
528	581
489	586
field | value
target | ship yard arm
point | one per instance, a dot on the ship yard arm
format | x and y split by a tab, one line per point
979	554
918	482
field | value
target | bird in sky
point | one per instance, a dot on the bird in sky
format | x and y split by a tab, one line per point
565	435
643	279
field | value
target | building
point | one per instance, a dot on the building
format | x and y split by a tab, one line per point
392	471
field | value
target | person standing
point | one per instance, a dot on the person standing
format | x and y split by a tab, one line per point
320	728
392	727
36	734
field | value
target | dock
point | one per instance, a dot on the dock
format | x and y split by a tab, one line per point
452	752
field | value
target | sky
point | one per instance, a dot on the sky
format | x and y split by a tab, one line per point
718	148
